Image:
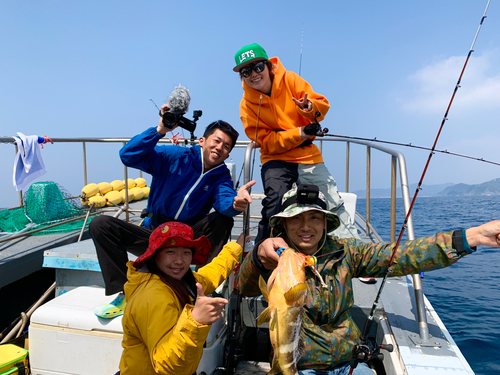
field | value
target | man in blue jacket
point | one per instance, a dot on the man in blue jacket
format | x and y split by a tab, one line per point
187	183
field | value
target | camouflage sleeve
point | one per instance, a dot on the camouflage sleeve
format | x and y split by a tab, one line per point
422	254
248	277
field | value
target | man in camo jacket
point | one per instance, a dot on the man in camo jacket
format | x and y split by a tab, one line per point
330	331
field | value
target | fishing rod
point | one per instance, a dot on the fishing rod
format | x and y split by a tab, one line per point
315	129
322	134
367	349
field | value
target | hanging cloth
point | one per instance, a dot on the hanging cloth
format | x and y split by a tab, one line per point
28	163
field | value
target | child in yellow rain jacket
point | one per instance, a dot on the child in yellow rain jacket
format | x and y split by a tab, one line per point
168	316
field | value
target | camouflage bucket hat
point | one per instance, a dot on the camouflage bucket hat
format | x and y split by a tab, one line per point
293	208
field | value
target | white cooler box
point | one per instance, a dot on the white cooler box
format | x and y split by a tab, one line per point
65	337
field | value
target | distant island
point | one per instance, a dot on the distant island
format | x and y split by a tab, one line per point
486	188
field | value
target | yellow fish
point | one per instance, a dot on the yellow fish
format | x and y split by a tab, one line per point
285	292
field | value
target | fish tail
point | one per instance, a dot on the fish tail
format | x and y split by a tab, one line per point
275	368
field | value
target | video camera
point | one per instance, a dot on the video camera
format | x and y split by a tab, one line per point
306	194
169	120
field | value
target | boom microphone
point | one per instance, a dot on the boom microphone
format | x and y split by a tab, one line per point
178	101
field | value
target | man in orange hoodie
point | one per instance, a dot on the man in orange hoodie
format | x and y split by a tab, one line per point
276	107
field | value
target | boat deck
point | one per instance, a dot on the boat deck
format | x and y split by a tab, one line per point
76	264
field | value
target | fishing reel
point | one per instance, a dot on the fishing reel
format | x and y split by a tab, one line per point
314	128
367	350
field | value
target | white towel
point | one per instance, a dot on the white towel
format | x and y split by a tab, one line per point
28	163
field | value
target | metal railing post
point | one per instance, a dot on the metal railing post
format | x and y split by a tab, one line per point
84	164
368	187
347	165
20	193
417	282
127	214
393	198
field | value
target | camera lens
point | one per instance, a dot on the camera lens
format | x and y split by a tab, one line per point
170	119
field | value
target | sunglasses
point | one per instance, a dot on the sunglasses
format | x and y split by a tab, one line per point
257	68
224	126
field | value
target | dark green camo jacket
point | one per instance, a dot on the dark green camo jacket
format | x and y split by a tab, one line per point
330	331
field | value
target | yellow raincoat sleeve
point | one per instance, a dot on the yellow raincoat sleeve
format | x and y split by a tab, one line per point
214	273
177	350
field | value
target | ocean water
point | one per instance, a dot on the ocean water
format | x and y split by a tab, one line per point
467	294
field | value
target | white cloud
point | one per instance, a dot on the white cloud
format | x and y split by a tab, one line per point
433	85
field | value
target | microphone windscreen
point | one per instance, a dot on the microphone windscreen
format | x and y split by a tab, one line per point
178	101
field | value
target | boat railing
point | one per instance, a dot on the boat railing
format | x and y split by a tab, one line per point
85	140
397	164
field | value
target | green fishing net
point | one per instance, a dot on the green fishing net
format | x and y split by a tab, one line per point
44	204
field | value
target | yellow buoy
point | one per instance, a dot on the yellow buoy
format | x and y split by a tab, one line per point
104	187
118	185
99	201
140	182
138	193
146	191
130	195
131	183
90	190
113	197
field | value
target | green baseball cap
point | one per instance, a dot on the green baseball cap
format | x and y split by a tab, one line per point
249	53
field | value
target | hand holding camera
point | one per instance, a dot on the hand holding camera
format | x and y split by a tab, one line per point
172	113
168	121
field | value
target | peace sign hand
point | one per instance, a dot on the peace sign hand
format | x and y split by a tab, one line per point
304	104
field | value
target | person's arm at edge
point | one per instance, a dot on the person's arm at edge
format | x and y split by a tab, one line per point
427	253
487	234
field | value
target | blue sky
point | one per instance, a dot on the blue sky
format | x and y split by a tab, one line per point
89	69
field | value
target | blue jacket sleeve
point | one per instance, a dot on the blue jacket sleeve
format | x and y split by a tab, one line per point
224	197
141	153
